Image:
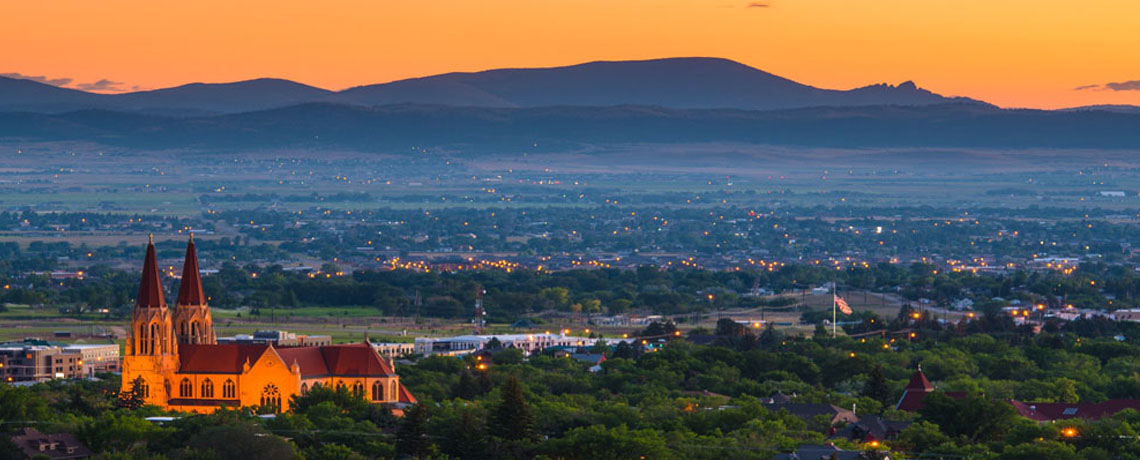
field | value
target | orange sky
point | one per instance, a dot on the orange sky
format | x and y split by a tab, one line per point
1015	53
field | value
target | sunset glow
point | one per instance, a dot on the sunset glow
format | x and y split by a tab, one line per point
1015	53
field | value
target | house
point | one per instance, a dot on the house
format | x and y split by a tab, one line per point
593	359
873	428
52	446
917	390
809	411
1051	412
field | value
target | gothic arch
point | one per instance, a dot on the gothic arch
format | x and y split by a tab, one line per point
207	389
270	396
229	390
185	388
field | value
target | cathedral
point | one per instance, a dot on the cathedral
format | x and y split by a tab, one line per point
183	368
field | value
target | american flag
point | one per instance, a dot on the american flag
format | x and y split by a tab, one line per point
842	304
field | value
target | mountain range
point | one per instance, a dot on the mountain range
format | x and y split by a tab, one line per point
403	127
686	83
679	100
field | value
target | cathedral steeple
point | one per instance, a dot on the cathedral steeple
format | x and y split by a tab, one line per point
192	321
150	288
151	330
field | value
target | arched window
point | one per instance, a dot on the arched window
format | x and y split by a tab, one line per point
392	391
339	386
153	344
144	389
316	385
271	397
358	390
166	388
377	391
207	389
185	389
304	388
228	390
142	339
194	332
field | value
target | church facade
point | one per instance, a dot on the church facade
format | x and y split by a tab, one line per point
178	364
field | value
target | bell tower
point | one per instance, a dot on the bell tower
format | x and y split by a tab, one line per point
192	322
152	352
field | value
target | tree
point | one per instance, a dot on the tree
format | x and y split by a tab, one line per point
332	452
512	418
729	327
1045	450
601	443
877	387
133	399
920	436
244	441
412	438
466	437
659	328
467	387
974	417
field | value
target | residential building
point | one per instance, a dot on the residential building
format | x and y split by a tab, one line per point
51	446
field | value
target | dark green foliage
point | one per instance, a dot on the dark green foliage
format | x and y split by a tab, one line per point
133	398
877	387
412	440
512	419
975	417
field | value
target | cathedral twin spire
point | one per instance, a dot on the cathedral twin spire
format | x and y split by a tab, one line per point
155	331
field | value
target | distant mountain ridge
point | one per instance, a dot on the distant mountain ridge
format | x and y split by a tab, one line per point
395	128
686	83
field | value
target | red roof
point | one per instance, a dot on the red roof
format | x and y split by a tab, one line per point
356	359
912	400
406	396
190	290
150	288
918	382
340	360
917	390
218	359
1047	412
310	359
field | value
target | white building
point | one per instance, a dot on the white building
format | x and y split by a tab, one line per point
528	343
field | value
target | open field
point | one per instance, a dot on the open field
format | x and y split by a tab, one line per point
350	324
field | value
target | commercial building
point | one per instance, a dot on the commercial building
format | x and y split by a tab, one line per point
278	339
35	360
528	343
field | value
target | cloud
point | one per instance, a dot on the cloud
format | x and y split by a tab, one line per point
758	5
1132	85
101	85
39	78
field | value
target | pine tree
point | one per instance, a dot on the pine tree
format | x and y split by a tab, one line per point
512	420
467	439
412	438
877	387
133	399
467	387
